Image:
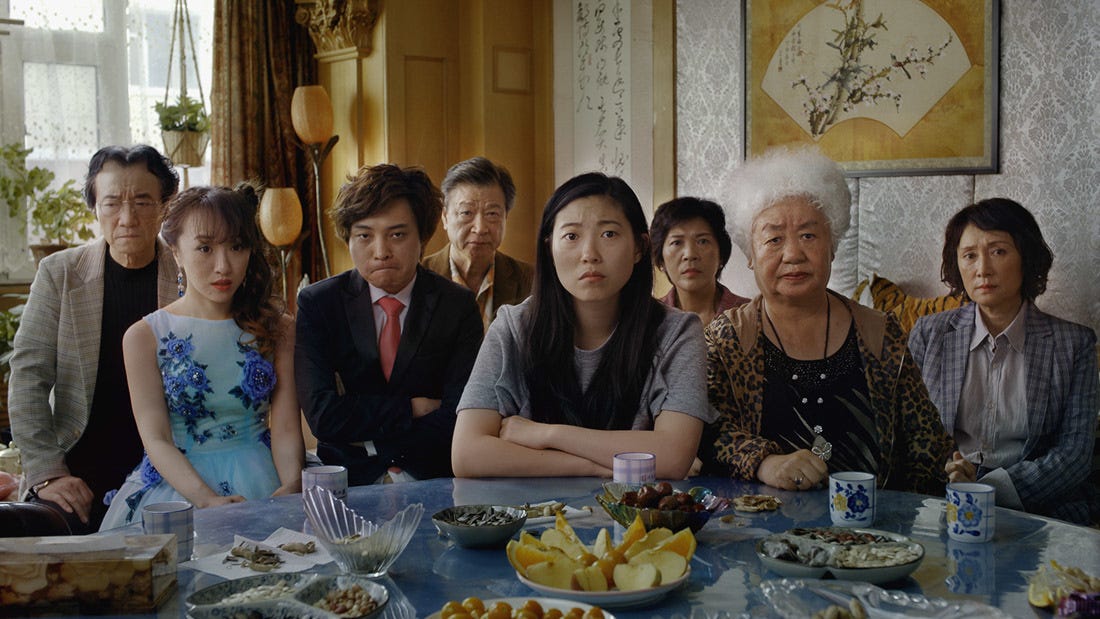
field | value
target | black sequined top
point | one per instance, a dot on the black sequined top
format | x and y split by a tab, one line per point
821	405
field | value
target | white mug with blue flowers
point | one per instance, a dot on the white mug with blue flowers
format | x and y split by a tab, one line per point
970	511
852	498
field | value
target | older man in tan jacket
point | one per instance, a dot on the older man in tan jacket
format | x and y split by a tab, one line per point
477	197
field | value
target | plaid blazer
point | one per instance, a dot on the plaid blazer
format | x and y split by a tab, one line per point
53	369
1062	396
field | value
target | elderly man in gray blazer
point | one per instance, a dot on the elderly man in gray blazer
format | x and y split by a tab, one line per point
68	399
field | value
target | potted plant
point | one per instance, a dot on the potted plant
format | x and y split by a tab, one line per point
9	324
58	217
184	128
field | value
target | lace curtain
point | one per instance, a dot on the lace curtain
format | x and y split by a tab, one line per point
78	76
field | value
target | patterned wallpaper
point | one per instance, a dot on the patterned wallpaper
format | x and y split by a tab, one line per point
1050	152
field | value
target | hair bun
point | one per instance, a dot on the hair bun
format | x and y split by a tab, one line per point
248	191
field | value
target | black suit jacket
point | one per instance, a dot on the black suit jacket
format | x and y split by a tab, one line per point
343	393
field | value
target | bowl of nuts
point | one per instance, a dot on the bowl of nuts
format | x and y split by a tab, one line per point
659	505
480	526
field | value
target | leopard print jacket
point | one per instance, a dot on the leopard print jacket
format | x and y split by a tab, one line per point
913	445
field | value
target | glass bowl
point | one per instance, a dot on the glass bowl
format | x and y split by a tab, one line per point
465	524
653	518
358	545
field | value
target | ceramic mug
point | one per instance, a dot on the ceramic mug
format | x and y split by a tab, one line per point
334	478
970	516
852	498
635	467
176	517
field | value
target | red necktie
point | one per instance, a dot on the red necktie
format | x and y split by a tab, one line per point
391	333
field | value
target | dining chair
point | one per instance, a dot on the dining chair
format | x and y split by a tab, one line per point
21	519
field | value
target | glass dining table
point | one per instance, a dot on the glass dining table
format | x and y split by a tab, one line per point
726	574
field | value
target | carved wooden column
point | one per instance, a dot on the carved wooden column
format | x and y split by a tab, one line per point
338	24
343	32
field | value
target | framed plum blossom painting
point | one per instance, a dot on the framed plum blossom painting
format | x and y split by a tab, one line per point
884	87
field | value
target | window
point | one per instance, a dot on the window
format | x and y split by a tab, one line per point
78	76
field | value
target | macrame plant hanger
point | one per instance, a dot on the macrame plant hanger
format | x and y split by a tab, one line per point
186	144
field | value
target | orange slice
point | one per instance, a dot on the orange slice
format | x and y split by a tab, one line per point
651	539
526	555
510	550
561	524
682	543
634	532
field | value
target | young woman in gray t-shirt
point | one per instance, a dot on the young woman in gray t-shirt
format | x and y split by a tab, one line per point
591	364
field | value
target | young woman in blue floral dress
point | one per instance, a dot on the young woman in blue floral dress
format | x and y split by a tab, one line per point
211	375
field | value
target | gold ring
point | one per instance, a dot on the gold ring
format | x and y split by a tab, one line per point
798	481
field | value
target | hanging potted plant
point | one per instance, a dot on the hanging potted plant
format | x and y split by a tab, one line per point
183	124
184	127
57	217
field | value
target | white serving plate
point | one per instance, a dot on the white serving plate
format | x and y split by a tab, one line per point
547	604
610	599
875	575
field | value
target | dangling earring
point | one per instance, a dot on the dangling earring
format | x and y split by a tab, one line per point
179	281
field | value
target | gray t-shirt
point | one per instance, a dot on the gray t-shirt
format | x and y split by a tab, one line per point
676	380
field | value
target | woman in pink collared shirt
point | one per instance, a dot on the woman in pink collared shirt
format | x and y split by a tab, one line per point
691	247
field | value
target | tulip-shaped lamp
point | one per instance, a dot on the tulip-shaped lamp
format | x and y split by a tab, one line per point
311	115
281	222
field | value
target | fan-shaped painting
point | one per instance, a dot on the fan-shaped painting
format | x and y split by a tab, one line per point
884	87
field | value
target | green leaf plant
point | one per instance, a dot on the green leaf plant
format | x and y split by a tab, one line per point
57	216
9	324
186	114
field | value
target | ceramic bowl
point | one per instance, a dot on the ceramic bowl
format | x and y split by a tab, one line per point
358	545
449	522
652	518
875	575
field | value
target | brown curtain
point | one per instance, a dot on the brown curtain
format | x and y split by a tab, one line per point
260	56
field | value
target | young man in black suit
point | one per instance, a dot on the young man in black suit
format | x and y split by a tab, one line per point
384	349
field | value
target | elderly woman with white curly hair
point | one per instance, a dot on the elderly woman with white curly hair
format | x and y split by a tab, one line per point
806	381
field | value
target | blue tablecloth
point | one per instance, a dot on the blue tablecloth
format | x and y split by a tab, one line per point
726	573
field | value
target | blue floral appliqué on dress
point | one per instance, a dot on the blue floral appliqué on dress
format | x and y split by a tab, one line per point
257	382
257	378
185	383
150	476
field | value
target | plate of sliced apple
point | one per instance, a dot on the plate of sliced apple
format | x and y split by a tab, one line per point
641	570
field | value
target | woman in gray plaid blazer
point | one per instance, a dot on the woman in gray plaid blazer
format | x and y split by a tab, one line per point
1016	386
